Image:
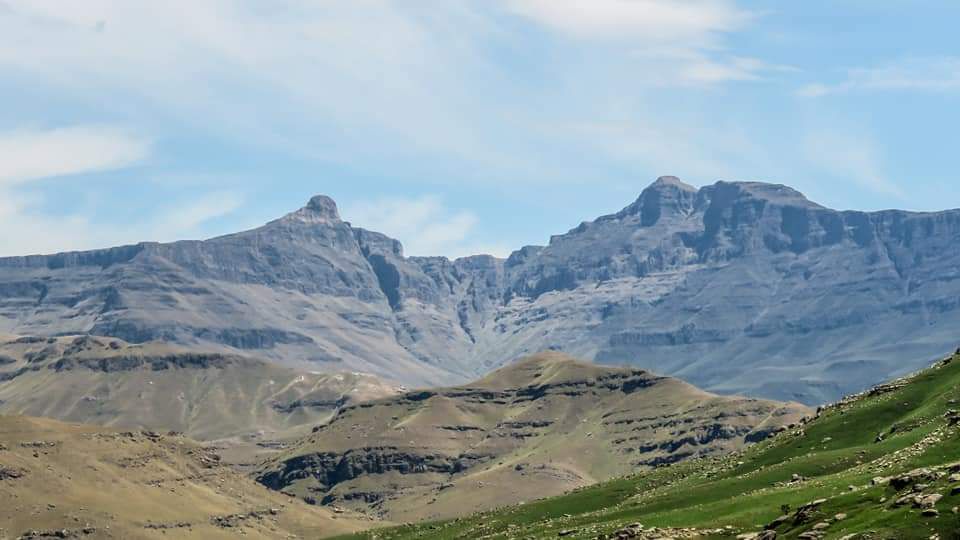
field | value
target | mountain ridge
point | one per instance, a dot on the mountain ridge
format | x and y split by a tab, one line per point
711	284
323	208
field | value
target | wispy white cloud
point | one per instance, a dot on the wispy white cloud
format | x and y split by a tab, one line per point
937	74
667	150
185	218
678	41
331	73
27	155
342	78
42	232
852	158
656	21
373	80
424	225
378	81
686	66
712	71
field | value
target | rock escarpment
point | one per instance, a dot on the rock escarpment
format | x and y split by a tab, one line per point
737	287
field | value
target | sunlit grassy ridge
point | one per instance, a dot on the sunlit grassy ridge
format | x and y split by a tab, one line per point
898	427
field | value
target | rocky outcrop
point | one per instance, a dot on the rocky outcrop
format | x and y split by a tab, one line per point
330	468
10	473
739	287
325	404
76	355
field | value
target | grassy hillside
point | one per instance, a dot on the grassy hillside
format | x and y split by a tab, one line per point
879	465
72	481
536	428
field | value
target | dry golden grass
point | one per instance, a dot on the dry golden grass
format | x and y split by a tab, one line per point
92	482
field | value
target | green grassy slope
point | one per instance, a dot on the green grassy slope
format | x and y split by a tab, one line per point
843	460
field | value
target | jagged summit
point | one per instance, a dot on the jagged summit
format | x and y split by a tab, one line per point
671	181
320	209
668	195
323	205
672	187
778	194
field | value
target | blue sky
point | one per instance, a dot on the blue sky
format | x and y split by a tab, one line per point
458	126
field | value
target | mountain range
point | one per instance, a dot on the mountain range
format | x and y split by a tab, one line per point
737	287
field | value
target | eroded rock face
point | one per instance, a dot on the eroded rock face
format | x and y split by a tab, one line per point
330	468
307	289
737	287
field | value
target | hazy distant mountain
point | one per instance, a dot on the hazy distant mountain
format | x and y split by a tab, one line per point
307	289
538	427
744	287
736	287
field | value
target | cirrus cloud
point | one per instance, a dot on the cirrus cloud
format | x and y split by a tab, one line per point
27	155
678	40
655	21
936	74
424	224
854	158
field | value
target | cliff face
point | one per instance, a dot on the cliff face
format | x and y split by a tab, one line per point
307	289
744	287
736	287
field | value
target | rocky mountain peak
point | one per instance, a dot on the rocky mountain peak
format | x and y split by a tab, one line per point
778	194
320	209
668	195
670	182
324	207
